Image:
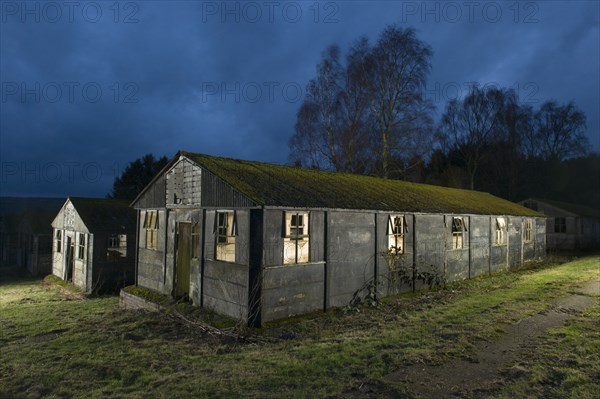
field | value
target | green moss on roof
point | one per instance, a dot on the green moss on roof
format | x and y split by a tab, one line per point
286	186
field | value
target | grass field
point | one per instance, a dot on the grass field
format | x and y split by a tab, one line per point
56	343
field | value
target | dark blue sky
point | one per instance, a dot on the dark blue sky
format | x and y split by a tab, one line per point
89	86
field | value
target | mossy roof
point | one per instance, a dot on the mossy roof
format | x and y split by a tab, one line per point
101	214
286	186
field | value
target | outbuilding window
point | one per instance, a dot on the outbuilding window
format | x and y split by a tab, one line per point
458	231
81	246
225	233
296	241
527	232
58	241
117	247
396	227
500	231
151	227
560	225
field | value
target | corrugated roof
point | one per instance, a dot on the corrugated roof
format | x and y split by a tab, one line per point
100	214
286	186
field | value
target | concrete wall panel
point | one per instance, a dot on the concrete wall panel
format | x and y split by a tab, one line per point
291	290
351	255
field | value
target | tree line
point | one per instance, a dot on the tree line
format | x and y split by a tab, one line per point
366	112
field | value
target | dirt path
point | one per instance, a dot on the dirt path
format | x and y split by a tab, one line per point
464	378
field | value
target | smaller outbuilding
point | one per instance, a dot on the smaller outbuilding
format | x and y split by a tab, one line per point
568	226
24	231
35	242
93	244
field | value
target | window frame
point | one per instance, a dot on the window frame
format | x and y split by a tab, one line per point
500	230
299	241
563	225
151	227
81	245
116	243
458	229
225	231
113	241
396	234
58	241
527	230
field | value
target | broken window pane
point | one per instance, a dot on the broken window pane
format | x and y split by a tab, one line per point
296	240
396	228
225	236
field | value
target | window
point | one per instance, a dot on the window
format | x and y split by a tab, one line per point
296	240
527	232
458	232
560	225
117	247
151	226
396	228
500	231
196	240
81	246
58	236
225	233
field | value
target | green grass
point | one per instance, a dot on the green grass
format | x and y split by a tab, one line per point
565	363
57	344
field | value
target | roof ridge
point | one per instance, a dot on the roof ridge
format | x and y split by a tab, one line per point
270	184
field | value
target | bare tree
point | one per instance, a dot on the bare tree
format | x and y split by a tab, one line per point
330	127
559	132
367	113
398	66
472	125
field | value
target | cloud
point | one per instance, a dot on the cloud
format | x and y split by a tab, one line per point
213	77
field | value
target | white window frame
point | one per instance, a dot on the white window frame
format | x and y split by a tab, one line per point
396	229
296	241
458	229
500	231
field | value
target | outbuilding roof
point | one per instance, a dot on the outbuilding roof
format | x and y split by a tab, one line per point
39	221
286	186
101	214
576	209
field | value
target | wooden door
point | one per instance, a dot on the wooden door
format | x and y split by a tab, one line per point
69	260
181	287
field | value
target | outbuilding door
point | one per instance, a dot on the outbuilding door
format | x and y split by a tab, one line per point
181	286
69	260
